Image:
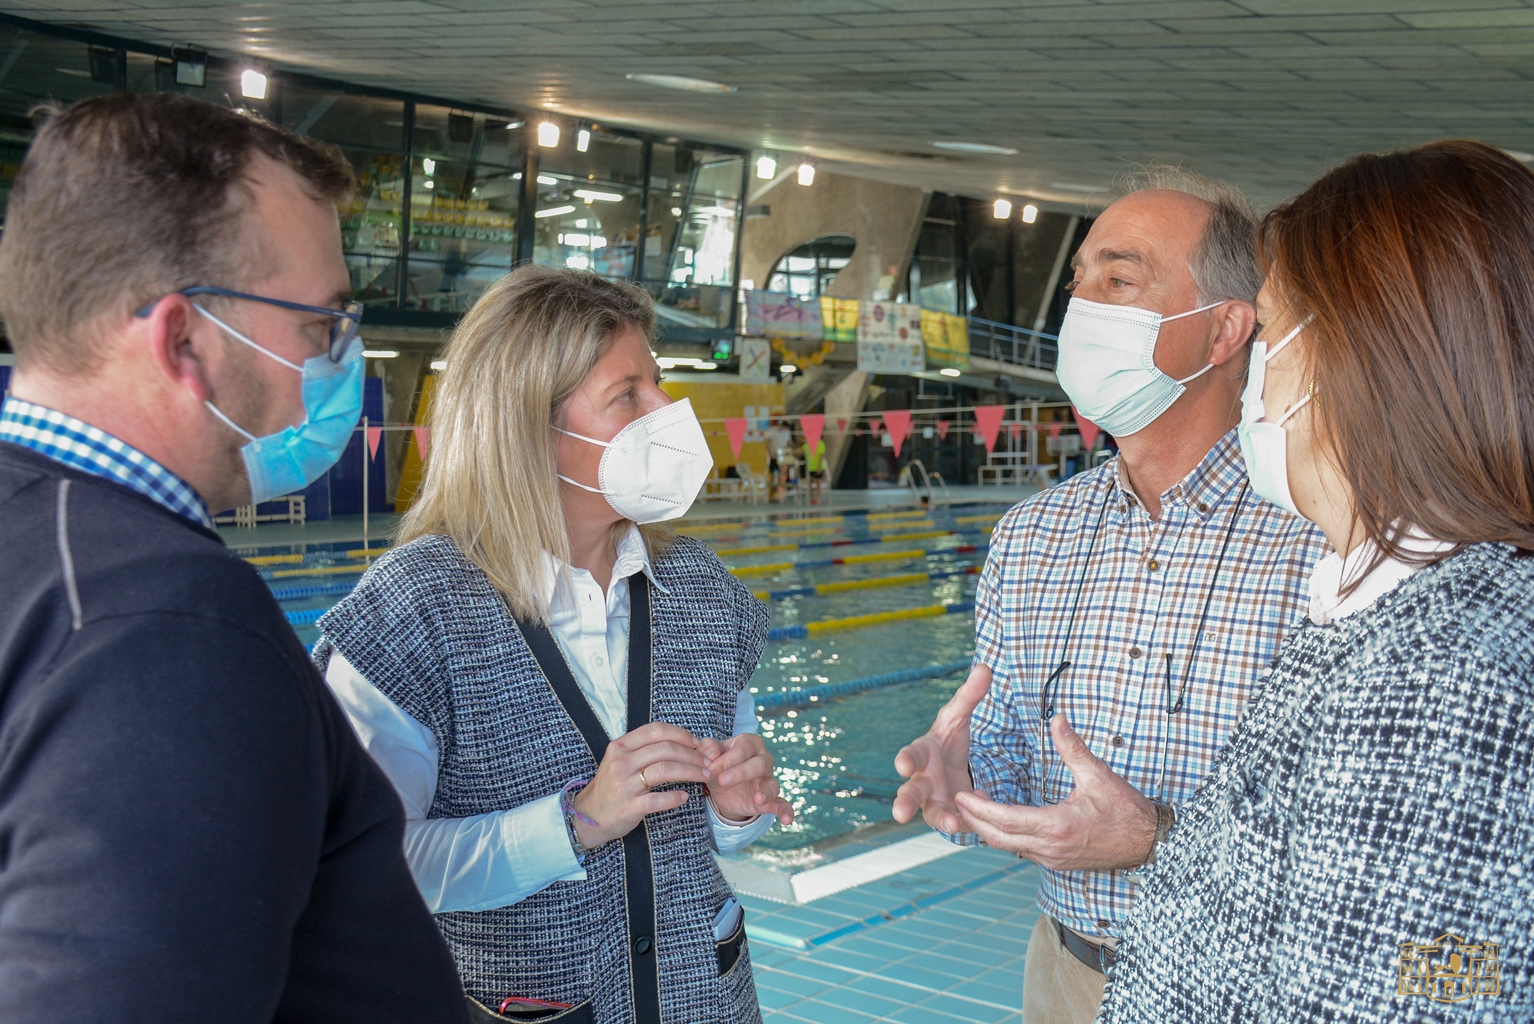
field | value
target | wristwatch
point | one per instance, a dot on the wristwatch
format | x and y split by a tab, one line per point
1166	817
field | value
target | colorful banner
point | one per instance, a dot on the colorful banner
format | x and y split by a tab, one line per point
783	316
813	425
839	319
947	339
756	360
889	338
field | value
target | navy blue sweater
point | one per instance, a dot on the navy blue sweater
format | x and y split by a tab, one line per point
189	829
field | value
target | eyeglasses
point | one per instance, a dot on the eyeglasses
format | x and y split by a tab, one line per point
343	325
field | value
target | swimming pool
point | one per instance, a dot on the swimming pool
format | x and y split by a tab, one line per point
834	754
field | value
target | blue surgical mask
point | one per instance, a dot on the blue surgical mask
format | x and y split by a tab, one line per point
295	457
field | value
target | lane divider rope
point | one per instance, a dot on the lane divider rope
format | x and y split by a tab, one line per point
800	630
900	580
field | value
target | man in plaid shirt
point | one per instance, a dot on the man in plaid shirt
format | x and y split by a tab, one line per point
1131	612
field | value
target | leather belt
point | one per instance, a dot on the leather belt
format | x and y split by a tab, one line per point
1097	957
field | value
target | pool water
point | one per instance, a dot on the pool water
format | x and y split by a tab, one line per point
834	757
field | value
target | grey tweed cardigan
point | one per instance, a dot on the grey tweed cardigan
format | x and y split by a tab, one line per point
429	631
1379	792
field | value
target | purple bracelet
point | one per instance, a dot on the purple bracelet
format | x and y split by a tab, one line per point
567	802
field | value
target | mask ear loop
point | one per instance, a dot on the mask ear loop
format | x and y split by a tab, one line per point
588	440
1179	316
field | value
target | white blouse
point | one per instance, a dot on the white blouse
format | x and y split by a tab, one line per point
497	859
1333	572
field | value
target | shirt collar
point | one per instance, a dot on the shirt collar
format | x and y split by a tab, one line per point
633	555
78	445
1215	481
1333	572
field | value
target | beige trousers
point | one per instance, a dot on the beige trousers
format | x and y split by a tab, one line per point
1057	988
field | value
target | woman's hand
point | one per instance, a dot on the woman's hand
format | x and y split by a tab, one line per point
620	795
744	787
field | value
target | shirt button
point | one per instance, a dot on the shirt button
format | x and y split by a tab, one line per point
643	945
1204	508
1103	924
1118	741
1135	652
1154	565
599	661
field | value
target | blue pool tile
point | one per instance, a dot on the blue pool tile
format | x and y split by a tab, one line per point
921	1014
968	1010
917	971
827	1013
852	959
875	1005
774	999
794	983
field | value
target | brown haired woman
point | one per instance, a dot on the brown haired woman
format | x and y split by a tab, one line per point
1365	849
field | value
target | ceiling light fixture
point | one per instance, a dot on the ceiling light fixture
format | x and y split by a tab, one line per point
788	368
253	84
428	166
430	184
676	211
1030	213
602	197
191	66
1066	186
681	82
949	371
548	134
806	173
766	167
1001	209
975	147
439	364
380	353
554	211
582	140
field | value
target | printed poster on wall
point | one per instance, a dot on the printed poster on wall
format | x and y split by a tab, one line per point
946	337
782	316
756	360
889	338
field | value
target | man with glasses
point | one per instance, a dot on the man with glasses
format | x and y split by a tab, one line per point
1125	617
189	829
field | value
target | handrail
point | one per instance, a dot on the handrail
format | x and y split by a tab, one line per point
1007	343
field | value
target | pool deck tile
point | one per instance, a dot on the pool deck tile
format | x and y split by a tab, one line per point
951	961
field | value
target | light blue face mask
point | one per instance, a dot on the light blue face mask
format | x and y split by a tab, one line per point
295	457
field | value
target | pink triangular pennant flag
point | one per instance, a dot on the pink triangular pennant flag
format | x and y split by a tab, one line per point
736	428
813	425
898	423
1014	429
987	423
375	434
942	429
876	427
422	440
857	431
841	426
1054	429
1089	430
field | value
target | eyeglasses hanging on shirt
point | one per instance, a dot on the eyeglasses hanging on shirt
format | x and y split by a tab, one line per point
1173	703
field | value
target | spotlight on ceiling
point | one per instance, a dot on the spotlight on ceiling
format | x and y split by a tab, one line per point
806	173
1030	213
766	167
548	134
681	82
975	147
582	140
1001	209
428	166
191	66
949	371
253	84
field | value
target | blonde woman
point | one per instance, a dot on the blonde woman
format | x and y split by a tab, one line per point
556	689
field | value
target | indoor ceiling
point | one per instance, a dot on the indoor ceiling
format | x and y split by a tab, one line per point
1265	93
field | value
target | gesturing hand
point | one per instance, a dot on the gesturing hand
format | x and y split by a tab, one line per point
619	797
1105	823
937	764
743	785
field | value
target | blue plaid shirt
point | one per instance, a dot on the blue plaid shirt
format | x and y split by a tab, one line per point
81	446
1141	595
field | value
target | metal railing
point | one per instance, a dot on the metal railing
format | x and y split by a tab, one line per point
1016	345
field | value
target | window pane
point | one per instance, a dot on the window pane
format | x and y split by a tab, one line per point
463	208
690	254
360	122
588	204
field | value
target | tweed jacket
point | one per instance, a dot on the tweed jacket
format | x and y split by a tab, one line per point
1378	797
427	629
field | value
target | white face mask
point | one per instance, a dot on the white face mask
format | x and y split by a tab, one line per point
1264	446
653	468
1108	364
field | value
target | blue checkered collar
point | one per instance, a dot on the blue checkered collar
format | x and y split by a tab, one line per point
1212	485
81	446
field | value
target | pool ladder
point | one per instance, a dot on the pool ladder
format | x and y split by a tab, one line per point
924	488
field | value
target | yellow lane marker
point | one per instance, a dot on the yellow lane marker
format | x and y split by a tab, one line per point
915	536
726	552
757	570
276	560
914	513
855	621
989	518
327	571
366	552
888	556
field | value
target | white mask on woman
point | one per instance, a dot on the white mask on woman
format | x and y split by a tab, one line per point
1264	446
653	468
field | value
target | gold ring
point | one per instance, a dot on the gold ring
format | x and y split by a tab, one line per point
642	779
